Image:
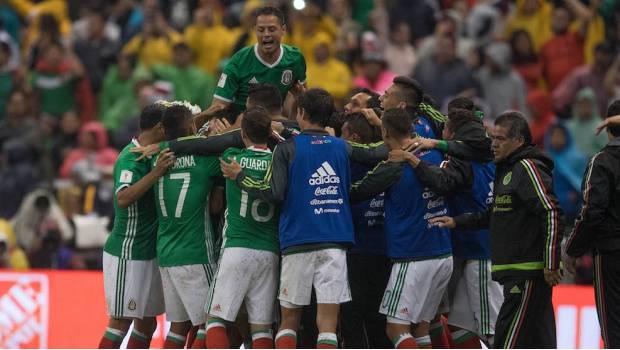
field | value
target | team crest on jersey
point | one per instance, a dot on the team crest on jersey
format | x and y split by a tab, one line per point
287	77
132	305
507	178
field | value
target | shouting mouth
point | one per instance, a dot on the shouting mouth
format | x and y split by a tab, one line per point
268	43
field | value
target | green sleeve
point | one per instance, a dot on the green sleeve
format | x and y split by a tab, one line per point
128	171
442	146
301	69
228	84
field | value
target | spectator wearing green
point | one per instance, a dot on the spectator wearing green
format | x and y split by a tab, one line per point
55	79
190	83
118	101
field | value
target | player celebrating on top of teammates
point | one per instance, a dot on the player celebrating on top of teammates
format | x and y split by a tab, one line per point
268	61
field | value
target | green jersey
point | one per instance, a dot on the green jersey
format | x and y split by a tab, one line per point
185	235
135	227
250	222
246	67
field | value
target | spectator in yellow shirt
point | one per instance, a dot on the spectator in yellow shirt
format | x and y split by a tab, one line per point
312	29
11	255
327	72
154	44
31	11
210	41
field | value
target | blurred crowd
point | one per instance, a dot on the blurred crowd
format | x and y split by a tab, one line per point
74	75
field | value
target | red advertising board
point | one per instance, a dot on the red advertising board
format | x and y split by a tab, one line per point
66	309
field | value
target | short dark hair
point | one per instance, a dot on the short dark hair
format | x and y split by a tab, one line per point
516	124
396	122
410	91
366	91
269	11
458	117
230	113
373	102
461	103
266	96
150	116
256	124
358	124
318	105
613	109
174	119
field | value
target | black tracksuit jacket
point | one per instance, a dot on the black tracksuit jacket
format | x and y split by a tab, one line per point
598	224
524	220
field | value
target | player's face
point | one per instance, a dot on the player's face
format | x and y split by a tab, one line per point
389	99
269	32
357	102
502	144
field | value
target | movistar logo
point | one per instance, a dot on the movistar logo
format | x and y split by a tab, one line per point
325	174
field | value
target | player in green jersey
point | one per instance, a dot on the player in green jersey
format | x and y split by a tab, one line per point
132	282
185	241
268	61
248	269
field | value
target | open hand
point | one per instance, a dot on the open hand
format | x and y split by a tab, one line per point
230	170
553	277
146	151
164	162
371	116
443	222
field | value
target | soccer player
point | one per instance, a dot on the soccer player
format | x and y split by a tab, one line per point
268	61
475	298
369	268
265	96
186	249
363	99
421	253
597	228
248	269
310	178
524	224
132	283
406	93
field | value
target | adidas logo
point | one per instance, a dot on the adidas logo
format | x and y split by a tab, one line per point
217	307
515	290
253	81
325	174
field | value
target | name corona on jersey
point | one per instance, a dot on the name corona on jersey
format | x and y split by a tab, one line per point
184	162
254	164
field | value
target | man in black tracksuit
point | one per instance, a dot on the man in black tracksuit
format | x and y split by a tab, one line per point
598	229
524	222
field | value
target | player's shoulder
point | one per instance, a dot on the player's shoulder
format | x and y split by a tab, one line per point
292	52
242	55
125	155
231	152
